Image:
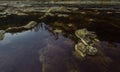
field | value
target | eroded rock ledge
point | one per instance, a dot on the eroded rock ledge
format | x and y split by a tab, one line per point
28	26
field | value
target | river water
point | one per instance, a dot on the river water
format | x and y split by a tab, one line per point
42	50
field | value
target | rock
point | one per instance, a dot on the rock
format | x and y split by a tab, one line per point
90	19
57	31
109	12
83	50
80	49
83	12
86	44
22	14
31	24
97	13
74	9
14	29
60	9
62	25
81	33
2	13
50	14
85	34
91	50
70	25
2	32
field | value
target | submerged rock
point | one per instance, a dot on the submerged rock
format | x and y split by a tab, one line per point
2	32
91	50
83	50
80	49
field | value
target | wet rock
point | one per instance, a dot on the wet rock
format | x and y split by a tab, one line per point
97	13
61	9
63	15
90	19
70	25
57	31
50	14
91	50
21	14
87	42
109	12
14	29
14	11
80	49
83	12
83	50
3	16
47	13
31	24
81	33
86	35
2	13
74	9
52	10
2	32
62	25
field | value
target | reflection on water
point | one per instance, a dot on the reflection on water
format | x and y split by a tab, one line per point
49	47
19	52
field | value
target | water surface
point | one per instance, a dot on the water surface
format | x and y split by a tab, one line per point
42	50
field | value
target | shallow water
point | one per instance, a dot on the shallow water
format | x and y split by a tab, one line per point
20	52
42	50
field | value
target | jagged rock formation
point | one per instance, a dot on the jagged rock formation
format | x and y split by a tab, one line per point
86	44
30	25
